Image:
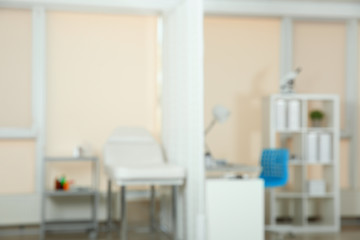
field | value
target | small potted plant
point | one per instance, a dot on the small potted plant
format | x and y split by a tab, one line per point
316	117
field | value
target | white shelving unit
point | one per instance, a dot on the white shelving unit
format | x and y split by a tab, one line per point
293	208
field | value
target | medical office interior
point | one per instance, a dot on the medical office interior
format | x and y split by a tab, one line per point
179	119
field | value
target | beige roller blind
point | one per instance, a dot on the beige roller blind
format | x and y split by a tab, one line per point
17	157
241	66
319	49
15	68
17	166
101	75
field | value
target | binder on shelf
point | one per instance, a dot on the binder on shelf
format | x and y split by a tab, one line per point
325	148
294	115
316	187
312	147
281	114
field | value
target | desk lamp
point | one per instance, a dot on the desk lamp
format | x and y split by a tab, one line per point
220	115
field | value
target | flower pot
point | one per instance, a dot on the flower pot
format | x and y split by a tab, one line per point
316	122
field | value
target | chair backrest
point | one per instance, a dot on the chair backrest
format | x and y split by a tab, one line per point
130	146
274	163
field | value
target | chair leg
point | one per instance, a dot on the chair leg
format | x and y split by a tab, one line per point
174	211
152	209
123	214
109	207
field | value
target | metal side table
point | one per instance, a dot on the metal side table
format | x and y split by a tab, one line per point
90	225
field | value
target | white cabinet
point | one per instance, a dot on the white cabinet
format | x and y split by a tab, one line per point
235	209
310	200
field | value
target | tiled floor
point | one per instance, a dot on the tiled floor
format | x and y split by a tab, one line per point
347	233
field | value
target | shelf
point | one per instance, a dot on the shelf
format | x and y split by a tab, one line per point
294	201
325	195
296	162
321	228
302	195
70	159
69	226
319	163
289	131
290	195
305	130
61	193
319	129
305	163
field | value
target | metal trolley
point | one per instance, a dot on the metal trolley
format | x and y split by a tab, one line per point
91	225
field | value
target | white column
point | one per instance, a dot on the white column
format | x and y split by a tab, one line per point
183	97
352	99
39	86
286	49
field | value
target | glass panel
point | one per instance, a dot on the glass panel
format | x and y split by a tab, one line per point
17	171
241	67
15	68
319	49
101	75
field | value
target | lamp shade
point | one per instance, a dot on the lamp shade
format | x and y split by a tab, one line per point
221	114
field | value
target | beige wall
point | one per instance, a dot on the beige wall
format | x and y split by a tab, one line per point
17	157
17	171
15	68
319	49
241	66
101	75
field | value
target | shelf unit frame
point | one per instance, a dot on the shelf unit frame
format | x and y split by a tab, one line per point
330	198
87	225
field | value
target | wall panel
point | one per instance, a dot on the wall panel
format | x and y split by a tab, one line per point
17	166
241	66
319	49
101	75
15	68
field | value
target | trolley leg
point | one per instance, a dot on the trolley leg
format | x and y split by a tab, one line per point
123	214
152	209
174	211
109	207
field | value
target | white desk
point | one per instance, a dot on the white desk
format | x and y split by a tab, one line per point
235	209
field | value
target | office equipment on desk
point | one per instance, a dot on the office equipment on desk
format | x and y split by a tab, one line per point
294	114
90	225
63	183
288	81
220	115
281	120
325	148
312	147
133	157
274	163
230	169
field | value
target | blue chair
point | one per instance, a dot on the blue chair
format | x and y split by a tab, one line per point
274	163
